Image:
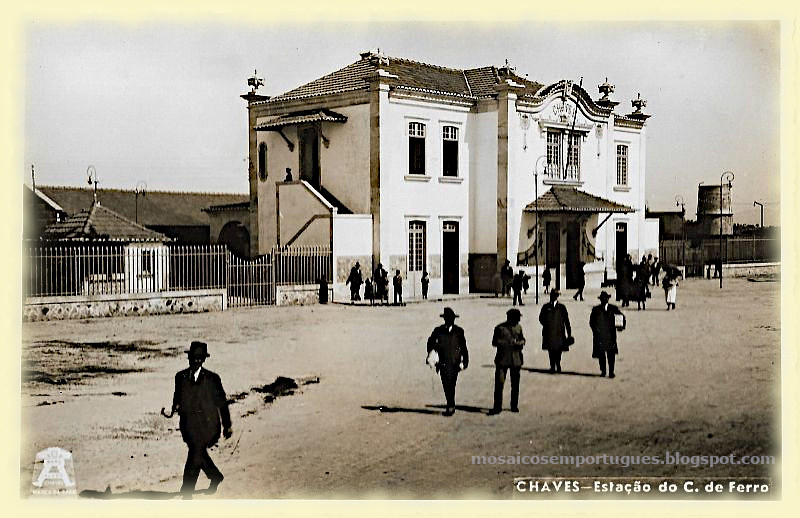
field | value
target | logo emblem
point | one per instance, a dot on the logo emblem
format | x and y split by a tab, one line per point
53	473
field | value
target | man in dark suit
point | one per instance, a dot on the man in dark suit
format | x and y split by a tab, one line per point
604	333
509	341
449	343
555	330
201	403
506	275
516	286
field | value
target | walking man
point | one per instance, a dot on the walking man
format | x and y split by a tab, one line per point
506	273
580	280
516	286
555	330
449	343
355	280
604	333
546	280
509	341
201	403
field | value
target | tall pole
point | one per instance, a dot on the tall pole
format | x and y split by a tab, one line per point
762	211
91	177
536	226
729	176
679	202
141	188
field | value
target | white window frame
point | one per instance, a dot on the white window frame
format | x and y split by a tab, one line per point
417	130
623	165
417	227
450	133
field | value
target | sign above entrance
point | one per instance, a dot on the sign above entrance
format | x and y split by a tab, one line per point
563	110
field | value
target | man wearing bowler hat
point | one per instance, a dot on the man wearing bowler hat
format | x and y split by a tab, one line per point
449	343
604	333
555	330
509	342
201	403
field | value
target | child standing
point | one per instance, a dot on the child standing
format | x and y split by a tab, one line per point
397	283
546	280
369	293
425	282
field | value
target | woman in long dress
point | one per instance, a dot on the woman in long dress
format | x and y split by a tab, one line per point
670	285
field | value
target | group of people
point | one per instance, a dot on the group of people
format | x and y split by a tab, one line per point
513	284
634	281
447	346
377	287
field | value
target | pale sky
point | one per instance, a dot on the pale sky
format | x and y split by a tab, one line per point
159	102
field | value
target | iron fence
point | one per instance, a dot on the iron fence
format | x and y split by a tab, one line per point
696	255
121	269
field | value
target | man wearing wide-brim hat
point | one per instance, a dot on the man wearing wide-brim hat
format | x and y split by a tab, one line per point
200	401
450	345
604	333
509	341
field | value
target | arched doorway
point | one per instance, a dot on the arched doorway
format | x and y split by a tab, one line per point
235	235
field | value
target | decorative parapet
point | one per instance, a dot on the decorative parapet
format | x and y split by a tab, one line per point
625	121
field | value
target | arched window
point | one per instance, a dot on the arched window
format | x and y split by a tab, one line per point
262	161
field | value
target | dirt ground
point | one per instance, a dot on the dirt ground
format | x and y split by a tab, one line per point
365	420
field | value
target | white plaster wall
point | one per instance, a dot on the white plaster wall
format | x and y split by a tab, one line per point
482	139
344	165
432	199
352	238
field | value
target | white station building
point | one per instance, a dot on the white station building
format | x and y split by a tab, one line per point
427	168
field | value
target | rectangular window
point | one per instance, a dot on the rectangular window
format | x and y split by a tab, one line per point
450	151
416	148
622	164
553	153
573	158
416	246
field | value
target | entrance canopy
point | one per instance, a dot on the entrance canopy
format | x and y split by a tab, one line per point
303	117
561	199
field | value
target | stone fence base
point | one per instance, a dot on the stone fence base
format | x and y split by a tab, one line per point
750	269
299	294
132	304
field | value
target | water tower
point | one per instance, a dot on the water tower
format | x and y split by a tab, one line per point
708	209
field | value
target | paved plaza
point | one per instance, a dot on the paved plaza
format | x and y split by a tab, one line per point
366	419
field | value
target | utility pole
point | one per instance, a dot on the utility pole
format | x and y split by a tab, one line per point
729	176
762	211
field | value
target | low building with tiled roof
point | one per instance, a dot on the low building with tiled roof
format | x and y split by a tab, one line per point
180	215
440	162
100	224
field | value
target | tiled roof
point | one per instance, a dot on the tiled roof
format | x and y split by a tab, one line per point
161	208
228	206
98	223
474	83
570	199
301	118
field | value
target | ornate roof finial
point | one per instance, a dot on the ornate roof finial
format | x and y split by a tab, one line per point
255	82
606	89
638	104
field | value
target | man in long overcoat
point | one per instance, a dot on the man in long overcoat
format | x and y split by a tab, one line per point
604	333
506	275
200	401
509	341
449	343
355	280
555	329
